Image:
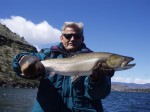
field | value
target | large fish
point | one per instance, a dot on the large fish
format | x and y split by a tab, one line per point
84	64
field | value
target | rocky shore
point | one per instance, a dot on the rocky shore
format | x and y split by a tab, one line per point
10	45
18	83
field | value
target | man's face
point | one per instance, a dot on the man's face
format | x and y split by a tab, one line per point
71	39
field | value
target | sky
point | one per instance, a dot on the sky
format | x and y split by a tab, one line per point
116	26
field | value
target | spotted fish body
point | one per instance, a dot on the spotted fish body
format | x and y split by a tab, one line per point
84	64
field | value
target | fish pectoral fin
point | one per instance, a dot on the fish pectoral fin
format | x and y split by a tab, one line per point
74	78
49	73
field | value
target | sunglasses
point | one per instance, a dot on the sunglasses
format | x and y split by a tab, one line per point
69	36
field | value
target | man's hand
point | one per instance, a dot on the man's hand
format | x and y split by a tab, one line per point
101	71
31	67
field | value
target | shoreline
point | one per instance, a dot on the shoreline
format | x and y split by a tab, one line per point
35	86
19	84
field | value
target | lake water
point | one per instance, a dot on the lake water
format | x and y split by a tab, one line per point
127	102
21	100
16	99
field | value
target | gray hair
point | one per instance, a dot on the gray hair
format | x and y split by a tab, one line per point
77	26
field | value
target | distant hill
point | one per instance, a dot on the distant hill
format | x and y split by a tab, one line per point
118	86
133	85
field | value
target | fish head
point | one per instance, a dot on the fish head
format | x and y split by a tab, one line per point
119	62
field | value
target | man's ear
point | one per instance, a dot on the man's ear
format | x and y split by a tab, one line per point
61	38
83	39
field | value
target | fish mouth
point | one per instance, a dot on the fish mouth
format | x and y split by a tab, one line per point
127	63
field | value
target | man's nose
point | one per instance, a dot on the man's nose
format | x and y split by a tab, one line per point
72	38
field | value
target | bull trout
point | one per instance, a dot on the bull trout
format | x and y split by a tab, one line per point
84	64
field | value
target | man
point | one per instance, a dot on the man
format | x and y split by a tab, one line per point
57	93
